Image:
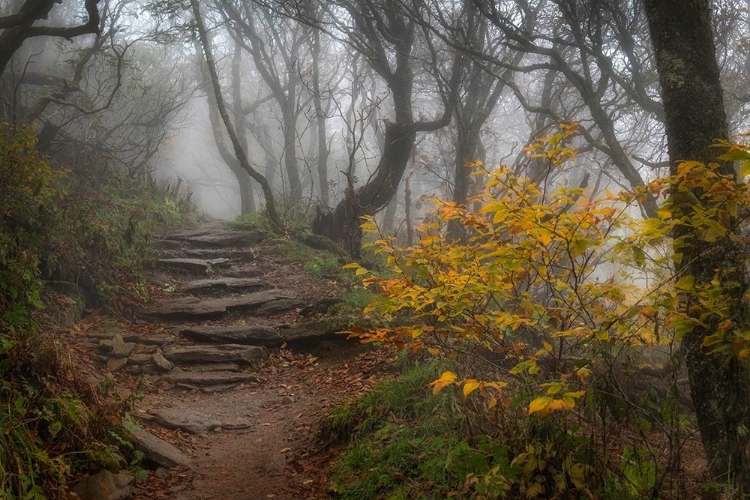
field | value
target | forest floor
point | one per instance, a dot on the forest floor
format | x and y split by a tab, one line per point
237	363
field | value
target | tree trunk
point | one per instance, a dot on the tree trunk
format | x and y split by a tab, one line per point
239	152
247	202
693	103
342	225
320	115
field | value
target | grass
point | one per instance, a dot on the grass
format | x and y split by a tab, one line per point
404	443
407	443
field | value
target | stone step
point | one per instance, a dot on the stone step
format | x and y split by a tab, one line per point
192	265
210	378
220	353
157	450
207	286
216	238
233	254
263	303
234	334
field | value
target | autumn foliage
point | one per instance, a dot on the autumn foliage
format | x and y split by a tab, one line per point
553	284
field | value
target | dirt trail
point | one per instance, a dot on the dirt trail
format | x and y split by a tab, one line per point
241	372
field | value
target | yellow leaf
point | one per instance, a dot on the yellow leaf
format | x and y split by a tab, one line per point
446	379
360	271
686	283
470	385
539	405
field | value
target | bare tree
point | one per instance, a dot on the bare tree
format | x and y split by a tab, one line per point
19	27
239	152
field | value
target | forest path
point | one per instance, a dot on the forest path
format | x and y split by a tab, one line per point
243	364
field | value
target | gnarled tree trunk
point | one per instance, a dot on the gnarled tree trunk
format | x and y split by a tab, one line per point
695	117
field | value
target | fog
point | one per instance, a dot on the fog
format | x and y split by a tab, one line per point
336	104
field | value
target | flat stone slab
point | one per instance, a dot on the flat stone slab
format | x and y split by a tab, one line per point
188	420
214	253
221	353
234	334
217	237
194	308
198	287
192	265
158	450
210	378
244	273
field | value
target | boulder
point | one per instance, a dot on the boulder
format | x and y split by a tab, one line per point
157	450
234	334
106	486
188	420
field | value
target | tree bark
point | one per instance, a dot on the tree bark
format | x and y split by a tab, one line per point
239	152
695	117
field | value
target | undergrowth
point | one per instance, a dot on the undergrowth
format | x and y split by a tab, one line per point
86	236
404	442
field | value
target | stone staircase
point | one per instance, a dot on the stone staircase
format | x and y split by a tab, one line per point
221	315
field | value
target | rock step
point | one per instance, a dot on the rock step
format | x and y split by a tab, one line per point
233	254
216	237
264	303
192	265
204	286
157	450
209	378
258	335
194	421
221	353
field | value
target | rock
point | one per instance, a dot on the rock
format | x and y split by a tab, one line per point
139	359
287	400
234	334
189	420
210	378
191	308
157	450
224	284
279	306
149	349
244	273
120	348
192	265
212	253
214	353
215	367
161	362
134	369
157	340
116	364
236	426
309	334
217	237
106	486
